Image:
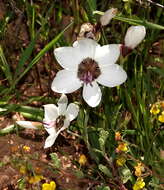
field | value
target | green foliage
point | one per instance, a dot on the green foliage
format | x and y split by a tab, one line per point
5	67
103	188
104	170
55	160
21	183
103	135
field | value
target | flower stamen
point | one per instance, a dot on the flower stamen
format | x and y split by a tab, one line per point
88	71
57	124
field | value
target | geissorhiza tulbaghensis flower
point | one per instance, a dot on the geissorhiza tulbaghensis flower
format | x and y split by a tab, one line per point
56	119
133	37
87	64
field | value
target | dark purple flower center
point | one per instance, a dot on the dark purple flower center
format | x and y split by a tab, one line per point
60	121
57	124
88	71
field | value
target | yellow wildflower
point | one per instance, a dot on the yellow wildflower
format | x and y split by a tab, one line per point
35	179
161	117
139	169
51	186
122	147
155	109
23	170
82	159
140	184
26	148
117	136
120	161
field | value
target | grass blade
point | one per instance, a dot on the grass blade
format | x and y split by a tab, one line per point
5	67
42	52
24	57
134	21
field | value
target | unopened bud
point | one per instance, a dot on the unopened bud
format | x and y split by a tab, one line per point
107	17
134	36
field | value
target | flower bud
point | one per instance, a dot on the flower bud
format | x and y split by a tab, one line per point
107	17
118	136
134	36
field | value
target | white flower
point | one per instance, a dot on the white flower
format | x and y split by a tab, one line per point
56	119
86	64
107	17
134	36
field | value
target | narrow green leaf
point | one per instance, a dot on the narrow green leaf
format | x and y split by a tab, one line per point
5	67
139	22
92	4
7	129
135	21
42	52
159	71
24	57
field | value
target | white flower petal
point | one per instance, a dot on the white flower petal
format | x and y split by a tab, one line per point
62	104
66	124
92	94
50	140
50	112
72	111
86	48
68	57
134	36
26	124
107	54
66	82
111	76
49	128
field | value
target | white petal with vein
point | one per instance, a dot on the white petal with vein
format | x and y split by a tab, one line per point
92	94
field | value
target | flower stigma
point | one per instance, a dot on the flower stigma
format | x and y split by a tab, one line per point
88	71
60	121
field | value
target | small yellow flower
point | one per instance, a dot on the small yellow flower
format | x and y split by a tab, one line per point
140	184
155	109
120	161
139	169
26	148
122	147
23	170
161	117
35	179
117	136
82	159
51	186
